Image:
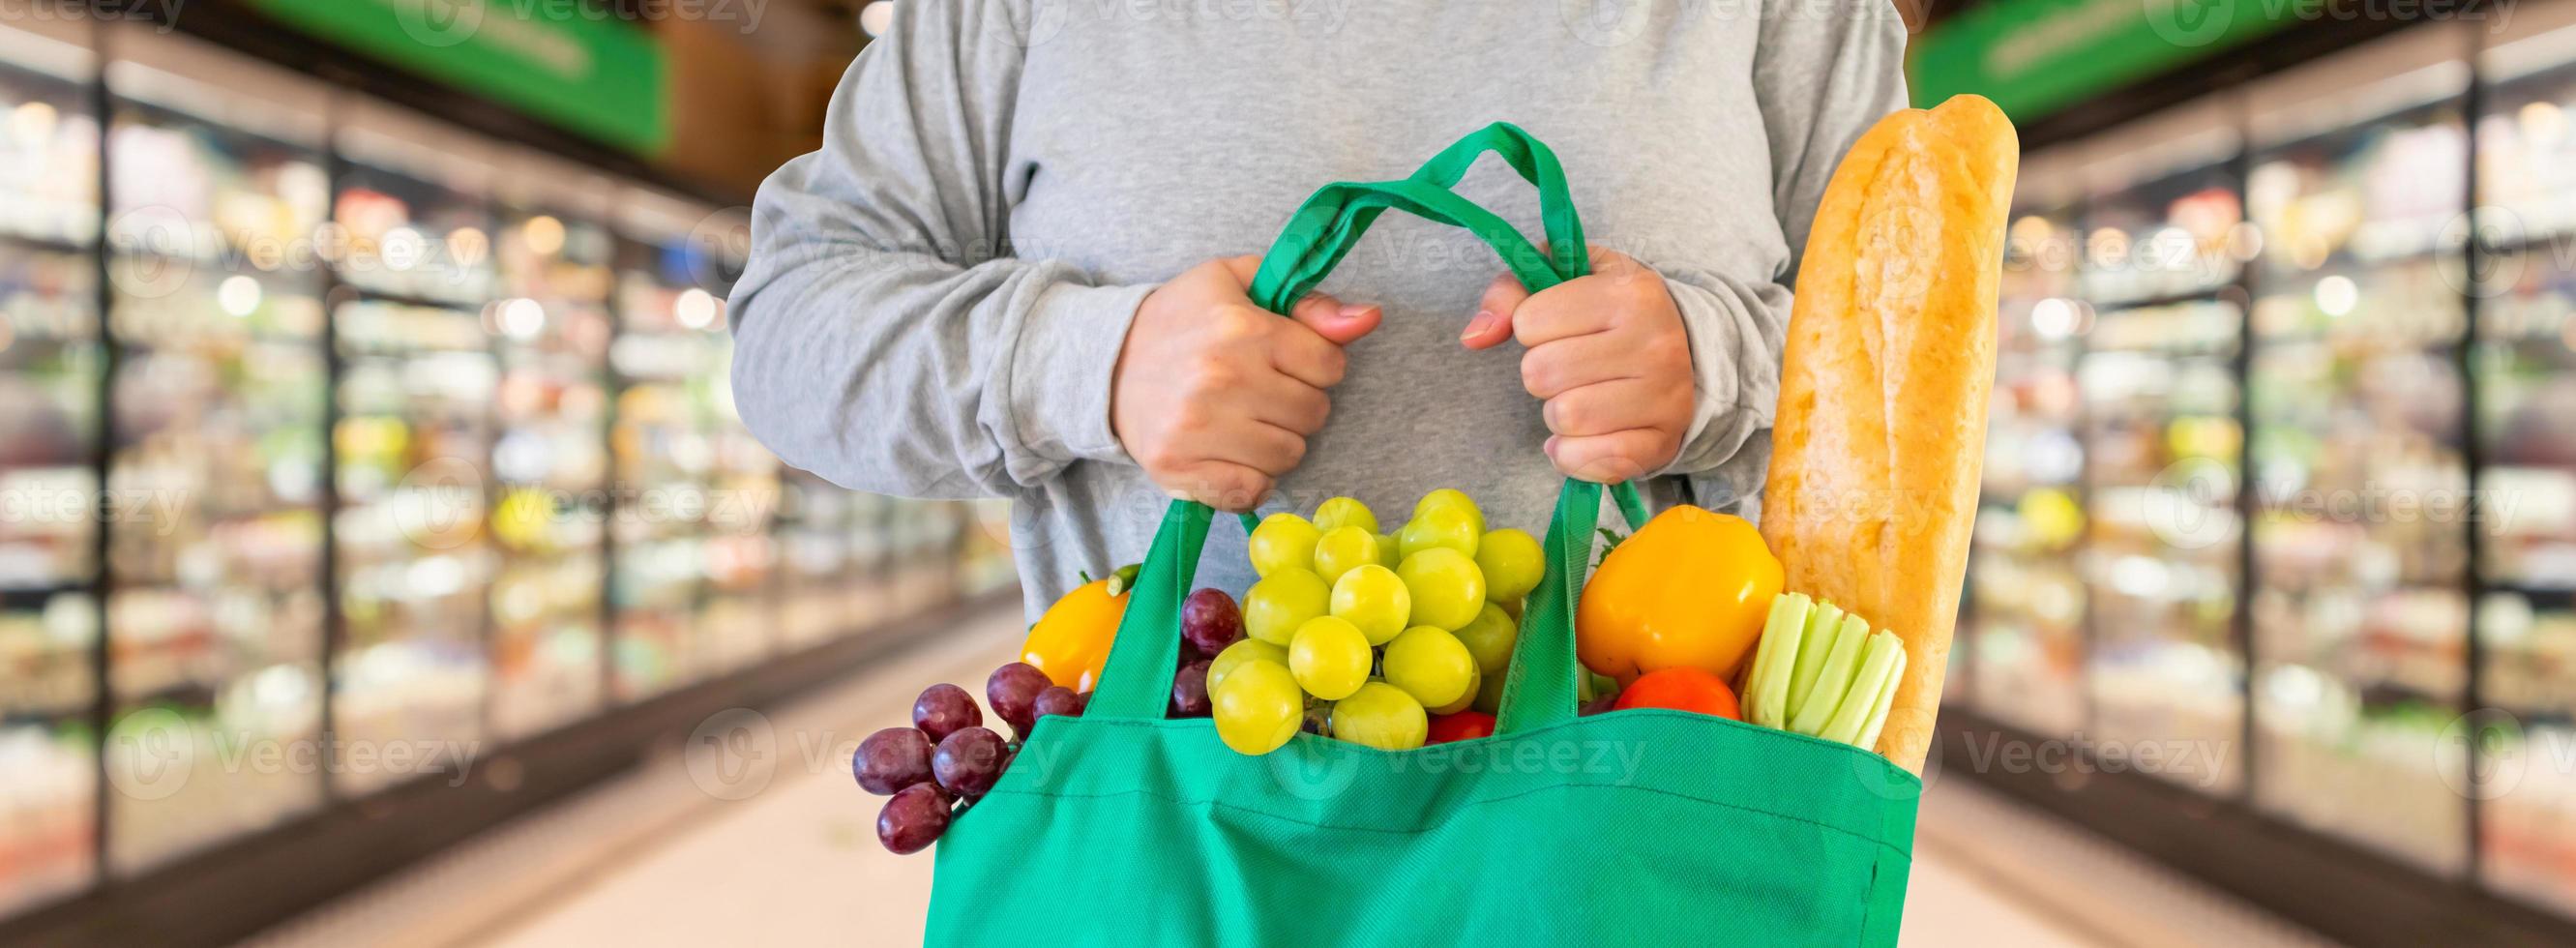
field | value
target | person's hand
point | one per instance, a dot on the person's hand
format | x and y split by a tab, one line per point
1215	396
1609	356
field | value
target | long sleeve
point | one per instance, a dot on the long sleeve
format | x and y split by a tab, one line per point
885	337
1821	80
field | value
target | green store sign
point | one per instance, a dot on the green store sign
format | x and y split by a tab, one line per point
560	61
2033	57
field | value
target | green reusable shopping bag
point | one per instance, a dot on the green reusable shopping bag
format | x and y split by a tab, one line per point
1639	827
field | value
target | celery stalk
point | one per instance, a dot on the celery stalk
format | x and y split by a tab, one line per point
1833	679
1766	688
1813	647
1886	699
1865	687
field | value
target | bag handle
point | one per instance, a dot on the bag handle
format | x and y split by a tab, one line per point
1541	685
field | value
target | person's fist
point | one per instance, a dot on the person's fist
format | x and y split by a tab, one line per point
1214	396
1609	356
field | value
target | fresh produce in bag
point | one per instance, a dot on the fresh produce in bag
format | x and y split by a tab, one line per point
1371	652
1435	732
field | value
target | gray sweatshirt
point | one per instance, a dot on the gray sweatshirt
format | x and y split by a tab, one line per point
936	298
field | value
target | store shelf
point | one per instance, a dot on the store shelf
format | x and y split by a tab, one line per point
2025	605
318	356
550	469
2362	615
414	435
215	619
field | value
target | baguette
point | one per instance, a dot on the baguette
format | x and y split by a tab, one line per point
1880	436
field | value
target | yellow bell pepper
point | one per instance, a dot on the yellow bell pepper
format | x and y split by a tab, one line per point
1070	643
1691	588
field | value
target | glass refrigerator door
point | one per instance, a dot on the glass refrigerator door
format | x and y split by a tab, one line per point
216	615
550	470
928	537
986	565
2525	363
2361	609
870	590
664	445
738	619
816	561
50	361
417	382
2161	443
2025	605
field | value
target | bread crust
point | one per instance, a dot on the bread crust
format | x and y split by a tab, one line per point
1880	435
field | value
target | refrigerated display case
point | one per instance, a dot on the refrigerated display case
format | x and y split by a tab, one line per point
550	462
2361	609
693	557
2025	604
985	563
2166	247
309	445
2328	468
2524	372
215	613
414	437
51	360
818	562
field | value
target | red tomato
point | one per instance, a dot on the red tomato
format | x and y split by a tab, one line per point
1462	726
1683	687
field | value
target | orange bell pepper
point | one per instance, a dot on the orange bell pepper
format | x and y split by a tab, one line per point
1690	589
1070	643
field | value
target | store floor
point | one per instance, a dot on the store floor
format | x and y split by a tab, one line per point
689	852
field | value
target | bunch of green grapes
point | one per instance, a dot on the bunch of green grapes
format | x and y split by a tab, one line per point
1365	636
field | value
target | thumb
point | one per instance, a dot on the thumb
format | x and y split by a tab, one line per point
1339	323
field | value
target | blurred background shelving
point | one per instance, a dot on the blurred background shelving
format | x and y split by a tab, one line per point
2025	604
52	358
340	428
216	609
2283	459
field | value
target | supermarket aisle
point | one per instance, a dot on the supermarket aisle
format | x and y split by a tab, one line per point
657	860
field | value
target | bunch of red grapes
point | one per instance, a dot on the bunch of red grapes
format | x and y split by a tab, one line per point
947	759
